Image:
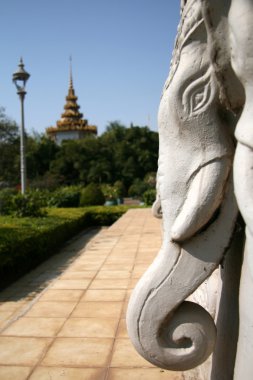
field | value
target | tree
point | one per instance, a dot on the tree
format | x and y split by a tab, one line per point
8	128
9	149
134	151
40	152
119	154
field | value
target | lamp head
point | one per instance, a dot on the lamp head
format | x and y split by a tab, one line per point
20	77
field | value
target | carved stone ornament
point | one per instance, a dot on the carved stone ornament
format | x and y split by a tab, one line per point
208	90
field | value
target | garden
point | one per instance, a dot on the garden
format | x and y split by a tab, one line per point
35	225
25	242
71	187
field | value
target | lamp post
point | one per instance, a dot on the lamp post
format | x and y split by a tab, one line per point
20	78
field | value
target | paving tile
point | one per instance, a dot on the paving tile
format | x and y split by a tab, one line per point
132	283
102	243
92	290
113	274
143	374
124	258
49	373
95	249
51	309
147	255
11	306
124	309
104	295
36	327
24	295
122	329
123	251
89	328
117	267
98	310
14	373
45	277
61	295
85	266
118	251
139	269
124	355
5	315
76	275
109	284
146	262
88	262
85	352
150	250
22	351
4	323
89	257
71	284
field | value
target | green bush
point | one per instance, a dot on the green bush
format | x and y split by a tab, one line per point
26	242
149	196
92	195
6	196
120	189
43	196
109	191
65	197
105	216
150	180
28	204
138	188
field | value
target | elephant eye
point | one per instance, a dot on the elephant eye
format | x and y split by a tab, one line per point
198	95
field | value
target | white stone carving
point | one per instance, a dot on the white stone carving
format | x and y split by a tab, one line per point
201	103
241	40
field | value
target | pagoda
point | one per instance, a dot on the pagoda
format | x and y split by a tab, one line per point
71	126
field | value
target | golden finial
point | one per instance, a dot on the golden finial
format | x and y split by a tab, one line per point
70	73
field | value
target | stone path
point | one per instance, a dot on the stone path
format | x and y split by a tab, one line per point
66	319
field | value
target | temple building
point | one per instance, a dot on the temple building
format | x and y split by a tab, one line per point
71	126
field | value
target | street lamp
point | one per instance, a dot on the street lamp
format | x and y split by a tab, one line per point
20	78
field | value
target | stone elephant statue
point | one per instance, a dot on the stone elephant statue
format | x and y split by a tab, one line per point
205	171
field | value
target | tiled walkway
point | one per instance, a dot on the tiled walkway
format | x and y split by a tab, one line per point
66	319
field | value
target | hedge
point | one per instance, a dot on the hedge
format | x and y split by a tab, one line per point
26	242
92	195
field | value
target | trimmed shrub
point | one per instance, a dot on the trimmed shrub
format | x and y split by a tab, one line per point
6	196
149	197
65	197
92	195
28	204
105	216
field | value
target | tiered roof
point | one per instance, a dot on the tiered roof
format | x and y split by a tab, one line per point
72	118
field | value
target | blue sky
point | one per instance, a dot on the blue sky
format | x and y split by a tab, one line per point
121	51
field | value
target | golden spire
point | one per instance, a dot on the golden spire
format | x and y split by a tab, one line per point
72	118
71	114
70	73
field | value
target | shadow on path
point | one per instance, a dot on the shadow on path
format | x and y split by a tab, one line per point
33	283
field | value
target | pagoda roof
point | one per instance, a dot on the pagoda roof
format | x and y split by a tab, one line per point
71	119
